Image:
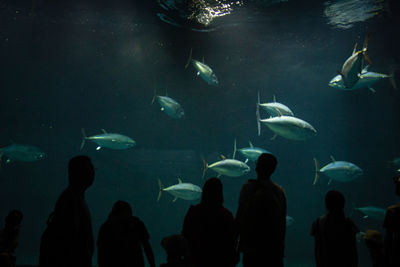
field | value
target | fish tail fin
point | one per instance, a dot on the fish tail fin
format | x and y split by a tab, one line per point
365	49
154	96
234	149
316	171
84	137
205	167
392	78
189	59
258	119
160	188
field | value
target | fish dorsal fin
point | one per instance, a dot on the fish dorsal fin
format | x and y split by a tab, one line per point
203	59
166	92
355	49
223	157
274	99
104	131
250	144
179	180
333	159
190	58
365	69
234	148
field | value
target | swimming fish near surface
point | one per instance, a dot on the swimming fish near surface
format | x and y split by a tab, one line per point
170	106
227	167
252	153
352	67
109	140
287	126
367	80
341	171
186	191
372	212
19	152
203	70
274	108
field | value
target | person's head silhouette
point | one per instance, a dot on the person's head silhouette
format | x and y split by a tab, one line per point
266	165
212	195
80	172
334	201
121	210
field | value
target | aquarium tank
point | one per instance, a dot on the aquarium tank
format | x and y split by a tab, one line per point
156	92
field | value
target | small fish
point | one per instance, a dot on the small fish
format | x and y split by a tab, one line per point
228	167
287	126
289	220
109	140
352	67
203	70
252	153
170	106
367	80
274	108
186	191
341	171
372	212
19	152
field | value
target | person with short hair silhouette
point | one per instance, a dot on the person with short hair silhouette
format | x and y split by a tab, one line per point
121	239
335	235
392	230
261	217
68	239
9	238
210	230
177	249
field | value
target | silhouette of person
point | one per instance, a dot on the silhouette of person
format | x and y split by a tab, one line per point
210	230
261	217
177	249
374	242
335	235
392	230
68	239
121	239
9	238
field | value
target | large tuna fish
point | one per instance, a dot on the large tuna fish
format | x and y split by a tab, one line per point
186	191
19	152
252	153
109	140
341	171
203	70
372	212
352	67
170	106
274	108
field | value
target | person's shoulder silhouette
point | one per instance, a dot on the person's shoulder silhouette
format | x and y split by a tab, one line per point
9	238
121	239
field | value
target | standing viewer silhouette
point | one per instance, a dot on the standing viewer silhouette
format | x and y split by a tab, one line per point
261	217
68	238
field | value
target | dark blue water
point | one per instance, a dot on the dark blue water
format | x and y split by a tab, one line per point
96	66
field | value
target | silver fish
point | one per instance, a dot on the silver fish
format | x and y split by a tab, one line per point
252	153
367	80
170	106
186	191
372	212
228	167
19	152
352	67
274	108
109	140
286	126
341	171
203	70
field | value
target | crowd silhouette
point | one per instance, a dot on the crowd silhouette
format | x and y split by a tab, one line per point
211	236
